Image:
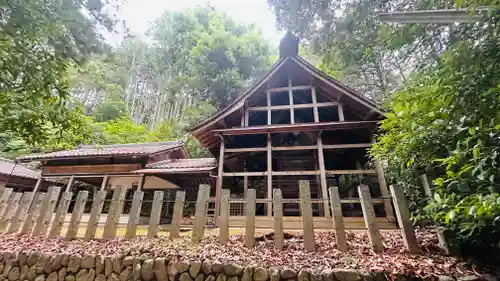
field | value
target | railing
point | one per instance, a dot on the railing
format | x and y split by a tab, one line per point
28	213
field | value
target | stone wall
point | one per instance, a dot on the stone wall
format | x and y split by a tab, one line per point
35	266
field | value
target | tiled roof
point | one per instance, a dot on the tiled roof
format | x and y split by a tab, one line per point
138	149
184	163
8	167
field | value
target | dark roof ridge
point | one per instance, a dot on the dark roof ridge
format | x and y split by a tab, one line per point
94	146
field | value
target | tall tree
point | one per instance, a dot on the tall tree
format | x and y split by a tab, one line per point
38	41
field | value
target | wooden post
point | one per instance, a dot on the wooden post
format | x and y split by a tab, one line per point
218	184
200	216
135	211
370	219
21	213
315	106
278	219
245	190
33	213
322	174
224	217
76	216
269	114
340	111
115	210
48	206
290	97
389	213
338	219
4	200
269	175
250	216
425	184
142	180
62	210
180	197
154	219
403	215
307	215
95	213
14	200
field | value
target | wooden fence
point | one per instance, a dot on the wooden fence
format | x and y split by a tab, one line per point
36	215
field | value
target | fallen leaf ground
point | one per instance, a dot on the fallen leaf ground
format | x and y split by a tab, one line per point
394	260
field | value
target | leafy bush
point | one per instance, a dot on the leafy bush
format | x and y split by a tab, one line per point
447	124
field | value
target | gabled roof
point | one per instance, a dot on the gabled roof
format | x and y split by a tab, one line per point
349	96
139	149
9	168
196	165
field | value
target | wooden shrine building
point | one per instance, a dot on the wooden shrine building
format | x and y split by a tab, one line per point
296	123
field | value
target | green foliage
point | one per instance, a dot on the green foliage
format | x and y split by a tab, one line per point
38	40
446	124
110	109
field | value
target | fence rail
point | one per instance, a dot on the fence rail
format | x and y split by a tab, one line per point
42	214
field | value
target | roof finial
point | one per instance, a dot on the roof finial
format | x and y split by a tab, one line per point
289	45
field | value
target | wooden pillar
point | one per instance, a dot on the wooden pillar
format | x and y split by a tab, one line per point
4	200
114	213
250	218
142	180
21	212
48	205
403	214
60	216
76	215
269	114
135	211
307	215
218	184
340	110
38	185
370	219
338	219
33	213
269	175
315	106
180	197
290	97
322	174
278	219
389	213
224	216
96	209
154	219
14	202
200	215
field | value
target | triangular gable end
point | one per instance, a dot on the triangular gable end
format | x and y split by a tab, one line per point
288	71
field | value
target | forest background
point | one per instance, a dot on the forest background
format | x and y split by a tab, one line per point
62	85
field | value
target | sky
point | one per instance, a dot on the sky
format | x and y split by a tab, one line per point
138	14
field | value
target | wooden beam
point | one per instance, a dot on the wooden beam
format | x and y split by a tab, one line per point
303	127
350	145
293	106
294	88
299	147
89	169
322	176
248	174
248	149
350	172
295	173
290	98
220	174
269	174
